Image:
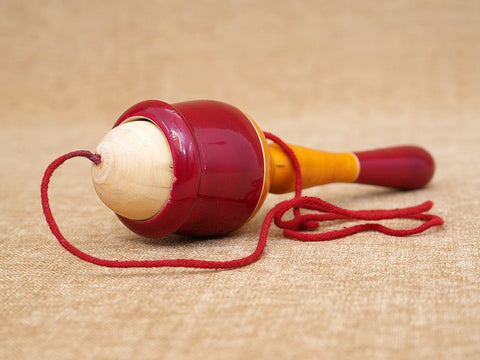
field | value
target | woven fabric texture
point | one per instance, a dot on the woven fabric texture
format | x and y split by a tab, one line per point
336	76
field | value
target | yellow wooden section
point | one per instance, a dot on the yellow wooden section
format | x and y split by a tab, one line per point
267	165
318	167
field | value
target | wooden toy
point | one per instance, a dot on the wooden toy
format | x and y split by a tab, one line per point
204	168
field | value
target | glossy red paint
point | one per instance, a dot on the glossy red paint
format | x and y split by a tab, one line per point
218	165
403	167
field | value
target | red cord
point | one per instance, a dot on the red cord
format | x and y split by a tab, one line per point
295	228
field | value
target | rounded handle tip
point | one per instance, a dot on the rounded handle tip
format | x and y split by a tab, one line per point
403	167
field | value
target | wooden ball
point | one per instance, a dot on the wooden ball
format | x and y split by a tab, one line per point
135	176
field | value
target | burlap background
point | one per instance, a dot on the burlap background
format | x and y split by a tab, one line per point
336	75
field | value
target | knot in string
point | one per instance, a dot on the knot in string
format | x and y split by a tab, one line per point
300	227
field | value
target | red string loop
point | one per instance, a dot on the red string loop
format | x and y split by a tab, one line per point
299	227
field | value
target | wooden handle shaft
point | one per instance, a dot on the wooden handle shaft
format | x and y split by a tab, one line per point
318	168
404	167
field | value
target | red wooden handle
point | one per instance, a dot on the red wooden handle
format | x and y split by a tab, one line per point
403	167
